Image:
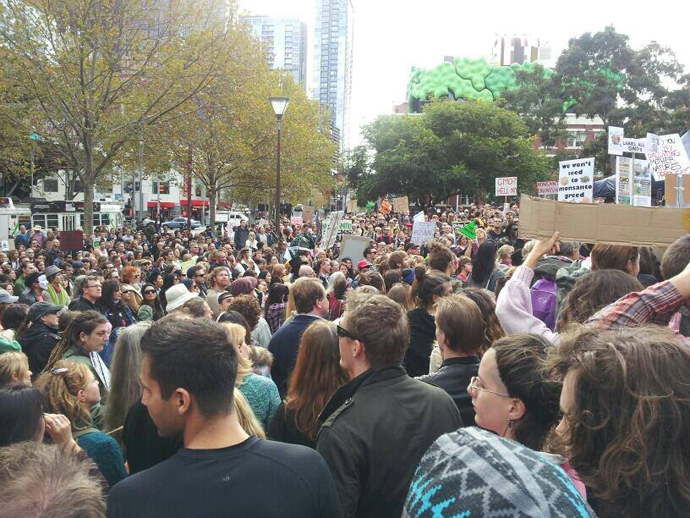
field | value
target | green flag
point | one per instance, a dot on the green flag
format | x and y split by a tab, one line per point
370	205
469	231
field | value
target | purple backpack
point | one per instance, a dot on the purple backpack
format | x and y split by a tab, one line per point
544	302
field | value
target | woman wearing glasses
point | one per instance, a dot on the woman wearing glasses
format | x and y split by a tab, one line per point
70	389
151	308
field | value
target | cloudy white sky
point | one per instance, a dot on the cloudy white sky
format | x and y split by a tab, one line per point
393	35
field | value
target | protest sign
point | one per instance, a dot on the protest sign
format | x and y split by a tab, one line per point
642	183
506	186
615	139
623	173
677	189
296	221
671	157
353	247
351	206
653	143
72	240
423	232
634	145
401	204
419	216
547	188
601	223
469	231
308	214
576	180
331	231
385	207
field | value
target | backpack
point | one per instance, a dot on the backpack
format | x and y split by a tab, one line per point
544	302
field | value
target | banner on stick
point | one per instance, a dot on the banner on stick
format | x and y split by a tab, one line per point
506	186
671	157
401	204
615	140
546	188
423	232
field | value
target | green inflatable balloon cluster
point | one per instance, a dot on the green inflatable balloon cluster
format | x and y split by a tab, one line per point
465	78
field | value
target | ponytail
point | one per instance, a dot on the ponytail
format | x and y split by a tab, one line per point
84	322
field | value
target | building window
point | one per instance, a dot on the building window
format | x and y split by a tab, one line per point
78	186
577	138
161	188
50	185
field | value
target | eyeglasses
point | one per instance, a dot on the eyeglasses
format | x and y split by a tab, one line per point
474	386
344	333
150	292
98	286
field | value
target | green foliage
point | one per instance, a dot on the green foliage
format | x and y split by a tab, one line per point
453	147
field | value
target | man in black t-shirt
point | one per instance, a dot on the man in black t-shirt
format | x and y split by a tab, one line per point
188	375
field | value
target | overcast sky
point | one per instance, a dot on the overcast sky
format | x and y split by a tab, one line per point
393	35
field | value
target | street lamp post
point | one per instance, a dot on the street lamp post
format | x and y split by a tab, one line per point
280	105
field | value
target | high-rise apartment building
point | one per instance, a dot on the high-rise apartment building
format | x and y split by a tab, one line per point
333	50
285	40
520	49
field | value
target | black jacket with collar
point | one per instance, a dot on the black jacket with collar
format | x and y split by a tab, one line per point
454	376
376	428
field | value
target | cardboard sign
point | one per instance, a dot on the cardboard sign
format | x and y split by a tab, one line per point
308	214
423	232
671	157
677	186
547	188
351	206
506	186
72	240
615	140
601	223
401	204
576	180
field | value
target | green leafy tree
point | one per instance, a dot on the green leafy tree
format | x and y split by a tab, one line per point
99	72
451	148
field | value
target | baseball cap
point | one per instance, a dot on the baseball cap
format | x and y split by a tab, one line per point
39	309
363	264
6	298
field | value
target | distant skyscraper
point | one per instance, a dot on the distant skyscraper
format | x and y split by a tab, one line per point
333	49
285	40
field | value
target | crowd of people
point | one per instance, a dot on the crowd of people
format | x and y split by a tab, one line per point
174	374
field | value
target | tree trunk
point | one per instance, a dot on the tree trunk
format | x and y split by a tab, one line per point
88	210
211	193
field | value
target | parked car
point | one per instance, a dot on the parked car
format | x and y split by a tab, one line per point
234	217
179	223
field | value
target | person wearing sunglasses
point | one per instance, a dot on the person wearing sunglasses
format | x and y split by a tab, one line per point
378	425
151	308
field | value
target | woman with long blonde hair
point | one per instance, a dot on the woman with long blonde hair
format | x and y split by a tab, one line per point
70	388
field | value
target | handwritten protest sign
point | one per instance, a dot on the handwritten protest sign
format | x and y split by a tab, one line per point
576	180
634	145
671	157
615	139
385	207
401	204
642	183
506	186
296	221
351	206
546	188
469	231
423	232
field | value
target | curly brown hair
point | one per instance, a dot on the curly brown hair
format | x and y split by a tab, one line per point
627	429
248	307
593	292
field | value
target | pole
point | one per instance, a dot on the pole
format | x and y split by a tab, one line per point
280	237
141	178
189	190
31	153
632	181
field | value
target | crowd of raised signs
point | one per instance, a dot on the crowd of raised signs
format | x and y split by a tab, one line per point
180	374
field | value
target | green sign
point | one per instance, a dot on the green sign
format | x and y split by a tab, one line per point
469	231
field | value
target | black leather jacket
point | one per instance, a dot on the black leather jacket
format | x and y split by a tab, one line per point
454	376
